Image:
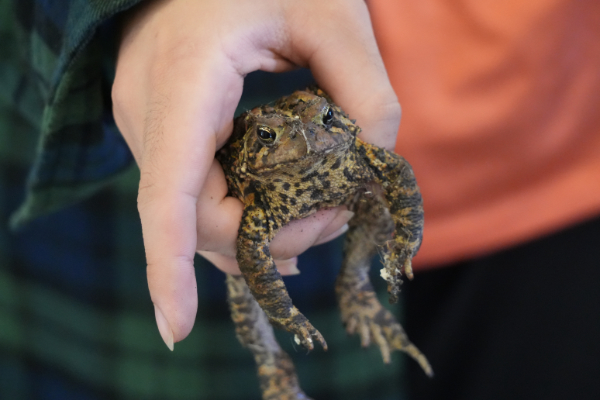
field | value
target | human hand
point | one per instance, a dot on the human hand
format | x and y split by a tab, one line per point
178	81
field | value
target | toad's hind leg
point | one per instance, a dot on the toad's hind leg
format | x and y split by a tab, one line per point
276	371
362	312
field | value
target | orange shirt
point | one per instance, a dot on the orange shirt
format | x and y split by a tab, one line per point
501	116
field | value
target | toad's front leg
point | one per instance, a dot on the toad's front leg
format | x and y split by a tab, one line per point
396	177
264	281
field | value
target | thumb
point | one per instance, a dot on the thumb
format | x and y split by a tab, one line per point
179	146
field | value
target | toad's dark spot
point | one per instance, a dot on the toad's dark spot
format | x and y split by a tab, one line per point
286	186
299	192
304	209
316	194
309	177
349	177
362	152
283	197
379	174
336	164
257	222
249	190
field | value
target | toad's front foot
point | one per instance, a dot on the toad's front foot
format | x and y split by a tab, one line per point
362	313
304	332
397	260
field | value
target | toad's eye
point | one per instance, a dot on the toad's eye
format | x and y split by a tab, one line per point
267	135
328	116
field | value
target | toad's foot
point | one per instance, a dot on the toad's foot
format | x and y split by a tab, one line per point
362	313
278	381
304	332
288	395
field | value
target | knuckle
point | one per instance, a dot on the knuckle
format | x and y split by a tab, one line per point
146	191
385	107
382	119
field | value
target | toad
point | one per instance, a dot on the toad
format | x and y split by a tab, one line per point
285	161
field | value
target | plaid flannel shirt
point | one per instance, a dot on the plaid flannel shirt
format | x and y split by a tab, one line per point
76	321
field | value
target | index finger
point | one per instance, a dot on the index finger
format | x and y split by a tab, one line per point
346	63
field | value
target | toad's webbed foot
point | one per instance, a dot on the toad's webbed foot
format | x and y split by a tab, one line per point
362	313
288	395
370	230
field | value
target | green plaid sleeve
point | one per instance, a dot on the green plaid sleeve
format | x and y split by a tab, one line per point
55	71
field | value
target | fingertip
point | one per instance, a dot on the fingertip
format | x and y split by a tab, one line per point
174	294
163	328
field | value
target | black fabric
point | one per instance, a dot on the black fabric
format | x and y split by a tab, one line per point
523	323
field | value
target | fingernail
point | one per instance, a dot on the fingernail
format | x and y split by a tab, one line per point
333	235
163	327
294	269
288	267
345	214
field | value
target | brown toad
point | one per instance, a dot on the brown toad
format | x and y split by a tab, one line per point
284	162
